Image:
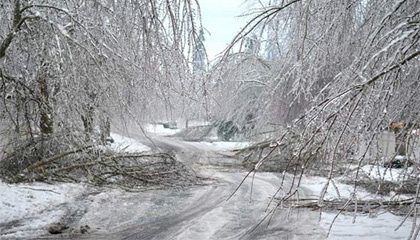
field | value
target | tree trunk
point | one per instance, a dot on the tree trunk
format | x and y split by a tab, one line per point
105	130
87	119
46	122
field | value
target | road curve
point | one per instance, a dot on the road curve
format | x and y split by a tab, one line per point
201	212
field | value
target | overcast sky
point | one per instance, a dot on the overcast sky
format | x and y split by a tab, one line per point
222	21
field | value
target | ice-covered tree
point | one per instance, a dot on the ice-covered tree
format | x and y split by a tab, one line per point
199	55
347	69
68	69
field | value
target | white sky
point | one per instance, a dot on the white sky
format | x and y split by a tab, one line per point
222	21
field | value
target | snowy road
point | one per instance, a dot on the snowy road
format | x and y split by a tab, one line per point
205	214
201	212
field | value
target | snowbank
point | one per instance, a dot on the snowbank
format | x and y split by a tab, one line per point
126	144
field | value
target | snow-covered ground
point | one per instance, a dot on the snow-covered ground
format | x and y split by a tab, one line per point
380	226
197	123
34	206
159	130
126	144
335	190
219	146
27	209
387	174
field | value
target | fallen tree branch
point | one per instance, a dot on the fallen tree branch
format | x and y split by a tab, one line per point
54	158
344	204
